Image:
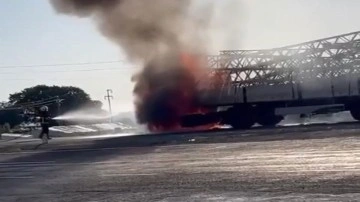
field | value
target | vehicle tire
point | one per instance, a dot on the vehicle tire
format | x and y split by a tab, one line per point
268	118
355	113
241	117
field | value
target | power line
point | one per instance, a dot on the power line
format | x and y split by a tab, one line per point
62	64
51	80
21	106
47	101
77	70
89	70
43	101
35	102
10	108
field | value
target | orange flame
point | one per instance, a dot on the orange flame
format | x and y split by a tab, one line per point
180	98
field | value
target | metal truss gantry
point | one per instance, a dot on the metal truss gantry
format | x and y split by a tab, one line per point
325	58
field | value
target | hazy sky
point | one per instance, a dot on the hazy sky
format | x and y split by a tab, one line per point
32	34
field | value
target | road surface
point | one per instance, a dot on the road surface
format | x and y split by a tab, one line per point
258	165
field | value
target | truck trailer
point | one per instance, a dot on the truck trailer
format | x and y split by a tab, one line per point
263	86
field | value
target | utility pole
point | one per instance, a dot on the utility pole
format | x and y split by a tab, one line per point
58	103
109	97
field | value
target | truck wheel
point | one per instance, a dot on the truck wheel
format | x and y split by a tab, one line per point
355	113
241	118
269	120
267	117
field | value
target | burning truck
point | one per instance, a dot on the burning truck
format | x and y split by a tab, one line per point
180	87
263	86
166	37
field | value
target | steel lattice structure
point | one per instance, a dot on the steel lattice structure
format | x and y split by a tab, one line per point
325	58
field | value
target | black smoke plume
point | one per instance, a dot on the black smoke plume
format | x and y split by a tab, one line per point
155	33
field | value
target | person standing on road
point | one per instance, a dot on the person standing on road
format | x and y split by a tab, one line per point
45	124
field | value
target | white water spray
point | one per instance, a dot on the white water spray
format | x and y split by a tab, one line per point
82	115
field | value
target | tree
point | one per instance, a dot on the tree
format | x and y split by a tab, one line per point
59	99
12	117
9	115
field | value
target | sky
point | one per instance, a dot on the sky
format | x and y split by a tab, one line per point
33	35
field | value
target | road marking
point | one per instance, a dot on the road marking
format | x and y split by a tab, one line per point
351	156
171	146
126	175
199	164
28	162
27	166
95	149
64	150
20	177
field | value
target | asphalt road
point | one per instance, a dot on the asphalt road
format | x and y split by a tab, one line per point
288	164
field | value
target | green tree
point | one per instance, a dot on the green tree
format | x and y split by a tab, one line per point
13	117
72	98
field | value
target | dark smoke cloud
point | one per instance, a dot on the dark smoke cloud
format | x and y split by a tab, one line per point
82	7
143	28
154	32
167	87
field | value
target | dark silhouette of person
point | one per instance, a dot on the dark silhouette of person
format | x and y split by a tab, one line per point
45	123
